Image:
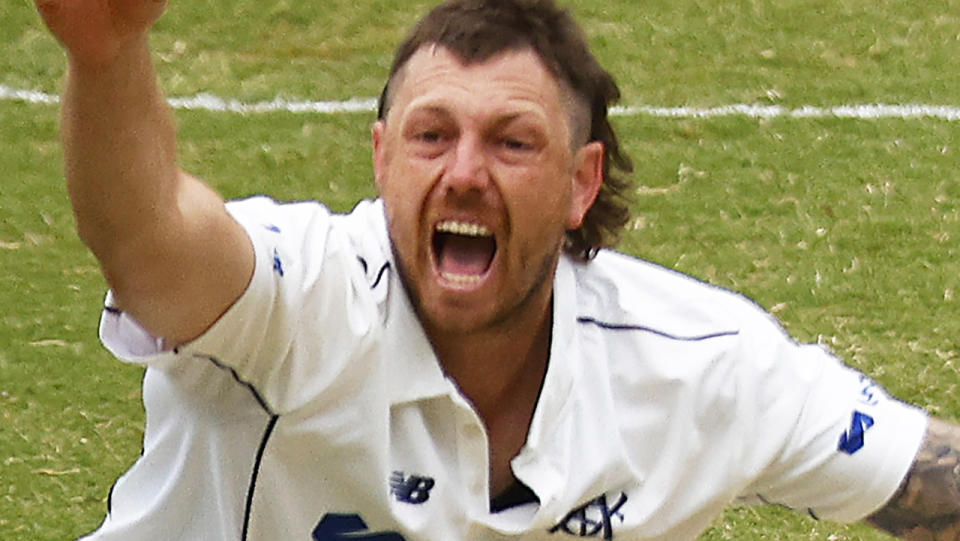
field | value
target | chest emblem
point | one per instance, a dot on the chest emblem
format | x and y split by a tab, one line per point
593	519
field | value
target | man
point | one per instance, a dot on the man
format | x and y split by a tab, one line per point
459	359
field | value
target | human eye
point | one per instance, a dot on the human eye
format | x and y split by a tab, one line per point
519	137
516	144
519	143
423	132
426	127
429	143
428	136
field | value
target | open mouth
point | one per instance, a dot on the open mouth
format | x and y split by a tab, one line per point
463	251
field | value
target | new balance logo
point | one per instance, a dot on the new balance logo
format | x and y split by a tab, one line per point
852	440
595	519
414	489
870	392
277	264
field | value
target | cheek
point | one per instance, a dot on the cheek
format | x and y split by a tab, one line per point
409	174
539	214
398	185
401	210
545	197
404	194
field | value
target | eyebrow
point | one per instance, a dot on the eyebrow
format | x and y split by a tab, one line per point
504	121
429	109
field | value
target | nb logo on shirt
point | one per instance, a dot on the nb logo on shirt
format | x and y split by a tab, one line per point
414	489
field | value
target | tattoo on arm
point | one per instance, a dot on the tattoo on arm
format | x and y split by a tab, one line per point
927	504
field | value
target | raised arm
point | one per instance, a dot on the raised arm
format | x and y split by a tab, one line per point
927	506
173	256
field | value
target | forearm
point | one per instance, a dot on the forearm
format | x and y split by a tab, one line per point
168	247
927	506
119	147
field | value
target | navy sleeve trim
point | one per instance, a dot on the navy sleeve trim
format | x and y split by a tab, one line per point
253	390
642	328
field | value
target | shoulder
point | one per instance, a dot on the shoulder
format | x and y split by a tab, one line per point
310	258
270	213
310	227
618	290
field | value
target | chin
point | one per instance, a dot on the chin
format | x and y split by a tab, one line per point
457	319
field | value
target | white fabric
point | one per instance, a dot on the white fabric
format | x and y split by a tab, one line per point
665	400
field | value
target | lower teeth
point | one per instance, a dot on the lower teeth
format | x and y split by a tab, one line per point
461	278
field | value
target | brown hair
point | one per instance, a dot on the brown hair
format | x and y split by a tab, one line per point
477	30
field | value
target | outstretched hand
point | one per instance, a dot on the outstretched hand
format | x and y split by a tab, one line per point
96	31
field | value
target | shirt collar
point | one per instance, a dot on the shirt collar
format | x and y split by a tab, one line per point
413	363
555	394
540	462
409	358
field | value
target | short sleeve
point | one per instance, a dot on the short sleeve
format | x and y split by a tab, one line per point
129	341
844	445
306	276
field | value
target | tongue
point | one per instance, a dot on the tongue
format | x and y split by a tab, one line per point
467	256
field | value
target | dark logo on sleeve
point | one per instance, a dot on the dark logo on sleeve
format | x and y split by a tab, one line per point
277	263
852	440
870	391
413	489
594	519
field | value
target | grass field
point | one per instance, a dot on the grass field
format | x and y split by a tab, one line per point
847	229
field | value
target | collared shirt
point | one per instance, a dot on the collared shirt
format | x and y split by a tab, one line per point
315	408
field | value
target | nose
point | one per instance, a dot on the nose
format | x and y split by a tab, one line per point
467	169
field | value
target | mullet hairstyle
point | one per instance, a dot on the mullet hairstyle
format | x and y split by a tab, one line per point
477	30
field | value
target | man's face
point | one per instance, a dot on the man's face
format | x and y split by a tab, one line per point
480	180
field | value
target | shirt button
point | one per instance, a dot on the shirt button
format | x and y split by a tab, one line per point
477	488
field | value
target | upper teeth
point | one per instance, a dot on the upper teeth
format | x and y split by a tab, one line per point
461	228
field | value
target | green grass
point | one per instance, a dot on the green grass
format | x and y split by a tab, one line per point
849	230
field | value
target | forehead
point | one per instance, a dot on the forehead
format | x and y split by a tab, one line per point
434	78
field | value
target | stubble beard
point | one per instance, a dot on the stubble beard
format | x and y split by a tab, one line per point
502	320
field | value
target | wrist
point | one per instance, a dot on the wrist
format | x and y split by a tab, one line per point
108	56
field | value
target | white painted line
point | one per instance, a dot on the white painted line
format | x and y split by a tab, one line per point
867	111
209	102
30	96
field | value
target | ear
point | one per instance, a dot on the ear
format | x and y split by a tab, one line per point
378	131
587	179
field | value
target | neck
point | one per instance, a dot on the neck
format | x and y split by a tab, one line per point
500	367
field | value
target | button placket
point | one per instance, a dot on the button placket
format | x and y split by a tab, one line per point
473	457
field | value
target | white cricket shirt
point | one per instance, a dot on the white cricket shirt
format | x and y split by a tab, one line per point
315	409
